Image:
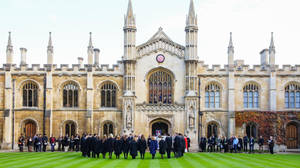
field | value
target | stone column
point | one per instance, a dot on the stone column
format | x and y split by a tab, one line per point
49	100
7	125
89	101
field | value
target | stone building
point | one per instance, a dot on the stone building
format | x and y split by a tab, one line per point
159	86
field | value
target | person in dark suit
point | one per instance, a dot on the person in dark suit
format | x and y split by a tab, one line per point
21	142
251	145
261	142
110	145
125	146
40	143
245	140
142	144
88	145
77	142
169	145
177	149
133	147
60	141
83	145
45	142
104	146
271	145
118	147
148	141
153	147
29	144
162	146
93	145
210	144
98	146
240	144
183	144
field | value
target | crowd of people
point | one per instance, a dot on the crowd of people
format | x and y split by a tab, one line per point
234	144
94	146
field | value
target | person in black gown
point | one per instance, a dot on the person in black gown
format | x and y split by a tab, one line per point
118	147
142	144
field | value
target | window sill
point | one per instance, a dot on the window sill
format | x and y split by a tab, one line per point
108	109
251	109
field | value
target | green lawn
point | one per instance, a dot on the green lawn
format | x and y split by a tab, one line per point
199	160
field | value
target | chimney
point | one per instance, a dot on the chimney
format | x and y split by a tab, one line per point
96	54
264	57
23	56
80	62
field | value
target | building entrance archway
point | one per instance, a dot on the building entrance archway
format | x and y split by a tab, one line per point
160	127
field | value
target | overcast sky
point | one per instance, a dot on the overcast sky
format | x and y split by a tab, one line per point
70	22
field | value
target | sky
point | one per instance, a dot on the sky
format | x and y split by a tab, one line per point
70	21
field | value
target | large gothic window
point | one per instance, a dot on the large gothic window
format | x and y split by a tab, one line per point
70	128
292	96
160	88
251	96
108	95
212	96
251	130
70	95
30	95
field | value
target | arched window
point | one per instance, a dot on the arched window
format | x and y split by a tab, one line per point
70	128
292	96
212	130
212	96
108	128
30	95
251	130
70	95
160	88
251	96
108	95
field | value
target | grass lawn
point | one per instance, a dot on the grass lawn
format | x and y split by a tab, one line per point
199	160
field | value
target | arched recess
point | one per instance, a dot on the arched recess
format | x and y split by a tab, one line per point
292	132
251	130
69	127
107	127
29	127
213	128
160	84
160	125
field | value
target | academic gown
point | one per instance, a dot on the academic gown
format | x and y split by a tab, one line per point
162	147
142	145
133	148
118	147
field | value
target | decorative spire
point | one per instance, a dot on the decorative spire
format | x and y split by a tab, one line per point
272	46
90	42
9	39
9	50
191	18
129	18
230	46
50	40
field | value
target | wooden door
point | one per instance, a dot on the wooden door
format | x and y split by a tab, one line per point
291	136
30	129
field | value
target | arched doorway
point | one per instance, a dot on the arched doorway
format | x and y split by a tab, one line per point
70	128
160	127
212	129
29	128
292	138
108	128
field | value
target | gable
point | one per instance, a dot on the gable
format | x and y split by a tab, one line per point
160	41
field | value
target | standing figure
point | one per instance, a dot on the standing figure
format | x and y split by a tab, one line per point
98	146
45	142
77	142
110	147
52	143
153	147
72	143
271	144
133	147
104	146
169	145
245	139
60	141
83	145
21	142
162	146
93	145
29	144
261	144
118	147
251	144
125	146
142	144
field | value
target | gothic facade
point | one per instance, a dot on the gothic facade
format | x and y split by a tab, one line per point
160	86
